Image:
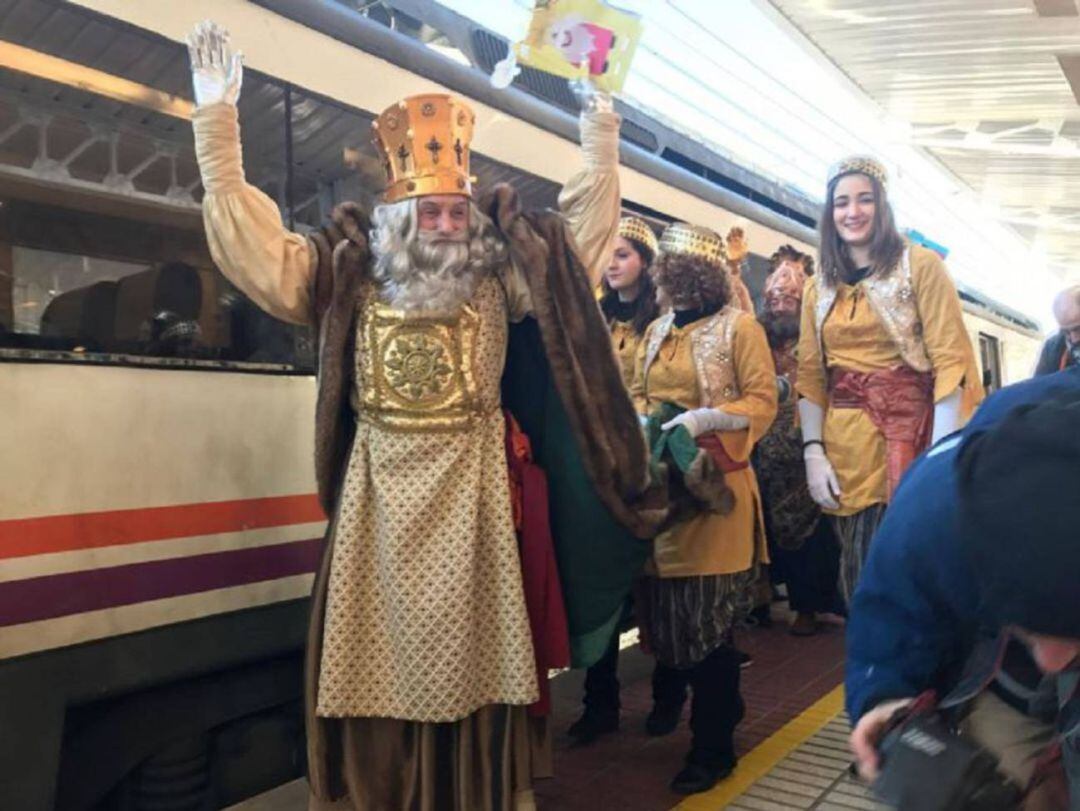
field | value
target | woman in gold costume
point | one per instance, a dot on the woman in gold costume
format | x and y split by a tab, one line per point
885	364
629	304
629	295
708	363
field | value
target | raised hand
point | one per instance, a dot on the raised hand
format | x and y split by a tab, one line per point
591	99
216	71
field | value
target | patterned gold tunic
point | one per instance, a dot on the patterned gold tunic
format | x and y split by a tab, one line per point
425	616
625	341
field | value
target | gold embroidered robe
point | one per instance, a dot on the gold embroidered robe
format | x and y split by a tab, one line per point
425	617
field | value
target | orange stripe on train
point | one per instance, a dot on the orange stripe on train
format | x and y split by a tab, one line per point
22	537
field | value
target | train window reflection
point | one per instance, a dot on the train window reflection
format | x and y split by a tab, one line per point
82	282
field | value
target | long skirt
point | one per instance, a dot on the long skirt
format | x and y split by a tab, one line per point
687	618
485	762
855	533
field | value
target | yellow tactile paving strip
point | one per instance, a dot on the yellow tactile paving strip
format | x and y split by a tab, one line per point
802	766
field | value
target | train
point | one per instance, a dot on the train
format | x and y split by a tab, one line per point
159	527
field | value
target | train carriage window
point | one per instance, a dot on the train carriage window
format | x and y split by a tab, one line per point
102	250
990	360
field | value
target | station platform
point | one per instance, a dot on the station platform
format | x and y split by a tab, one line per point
792	742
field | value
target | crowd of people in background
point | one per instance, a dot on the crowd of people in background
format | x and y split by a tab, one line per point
787	428
873	366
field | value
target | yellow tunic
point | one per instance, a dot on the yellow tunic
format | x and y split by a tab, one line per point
854	338
713	543
625	342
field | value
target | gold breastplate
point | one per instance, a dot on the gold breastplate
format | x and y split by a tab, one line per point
418	373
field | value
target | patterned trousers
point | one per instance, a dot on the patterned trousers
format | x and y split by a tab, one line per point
855	533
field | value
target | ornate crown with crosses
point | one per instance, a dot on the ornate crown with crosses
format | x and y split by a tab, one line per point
424	143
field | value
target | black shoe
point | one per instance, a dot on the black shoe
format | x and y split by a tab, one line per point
745	659
696	778
761	617
663	718
592	725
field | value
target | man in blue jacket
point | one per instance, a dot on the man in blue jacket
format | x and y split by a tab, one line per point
980	546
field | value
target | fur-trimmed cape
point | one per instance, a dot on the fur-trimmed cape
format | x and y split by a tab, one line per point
564	386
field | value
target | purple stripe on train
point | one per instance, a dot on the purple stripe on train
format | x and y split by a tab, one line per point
60	595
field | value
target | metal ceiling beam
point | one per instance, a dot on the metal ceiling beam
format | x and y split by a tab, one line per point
1060	148
1055	8
44	66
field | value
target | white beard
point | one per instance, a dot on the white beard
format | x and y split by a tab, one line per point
430	277
419	275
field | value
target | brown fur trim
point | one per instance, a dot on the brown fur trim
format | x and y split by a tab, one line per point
705	481
583	368
342	252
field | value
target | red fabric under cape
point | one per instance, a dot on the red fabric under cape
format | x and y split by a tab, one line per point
539	570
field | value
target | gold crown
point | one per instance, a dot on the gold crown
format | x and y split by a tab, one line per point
859	165
424	143
693	240
637	229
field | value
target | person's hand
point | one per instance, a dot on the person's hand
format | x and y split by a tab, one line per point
821	478
216	71
867	734
700	421
591	99
946	416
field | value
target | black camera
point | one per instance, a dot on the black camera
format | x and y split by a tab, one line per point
926	766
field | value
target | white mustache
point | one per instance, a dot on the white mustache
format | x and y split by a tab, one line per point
435	238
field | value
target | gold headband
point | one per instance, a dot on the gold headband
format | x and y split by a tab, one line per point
683	239
859	165
638	230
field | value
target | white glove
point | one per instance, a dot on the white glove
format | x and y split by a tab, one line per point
216	72
820	476
700	421
946	416
505	71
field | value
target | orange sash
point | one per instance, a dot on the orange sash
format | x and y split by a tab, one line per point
900	403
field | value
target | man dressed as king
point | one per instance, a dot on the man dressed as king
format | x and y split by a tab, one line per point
434	318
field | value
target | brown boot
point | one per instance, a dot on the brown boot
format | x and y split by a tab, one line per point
805	625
